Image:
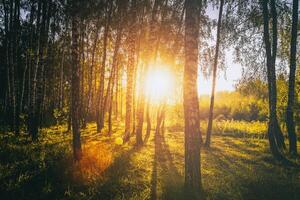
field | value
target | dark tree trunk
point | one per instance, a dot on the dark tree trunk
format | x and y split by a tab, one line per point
273	127
148	118
190	99
33	111
100	113
91	70
214	78
83	102
11	67
7	68
278	133
130	71
111	82
134	96
16	65
290	123
111	97
11	26
28	61
75	83
61	82
38	82
148	130
121	97
117	93
160	118
44	60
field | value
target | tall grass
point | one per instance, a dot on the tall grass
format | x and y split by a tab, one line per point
240	128
236	128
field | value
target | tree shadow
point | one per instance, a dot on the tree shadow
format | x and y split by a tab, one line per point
249	173
166	181
112	187
264	157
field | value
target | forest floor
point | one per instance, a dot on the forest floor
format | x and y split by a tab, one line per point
233	168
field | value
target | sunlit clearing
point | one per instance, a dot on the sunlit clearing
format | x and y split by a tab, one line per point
159	85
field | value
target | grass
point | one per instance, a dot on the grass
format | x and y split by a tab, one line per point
253	129
238	167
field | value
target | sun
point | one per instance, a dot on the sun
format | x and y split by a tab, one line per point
159	84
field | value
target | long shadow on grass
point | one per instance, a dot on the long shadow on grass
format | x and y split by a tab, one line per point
249	175
262	156
166	182
113	186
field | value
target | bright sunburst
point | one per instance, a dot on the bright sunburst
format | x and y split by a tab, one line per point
159	84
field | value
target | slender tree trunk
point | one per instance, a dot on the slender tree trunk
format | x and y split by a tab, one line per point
12	31
61	82
38	72
91	71
121	96
134	97
273	123
83	101
29	88
290	123
11	103
134	101
111	82
109	96
23	84
130	71
278	133
160	117
13	63
190	99
117	93
70	116
44	60
75	87
140	114
110	106
214	78
16	67
33	118
148	118
148	130
100	113
29	59
7	67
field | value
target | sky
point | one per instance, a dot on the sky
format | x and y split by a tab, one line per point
233	71
226	79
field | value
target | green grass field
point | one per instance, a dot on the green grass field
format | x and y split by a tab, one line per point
238	166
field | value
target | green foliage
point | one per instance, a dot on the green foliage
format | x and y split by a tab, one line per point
257	91
233	105
60	115
27	168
